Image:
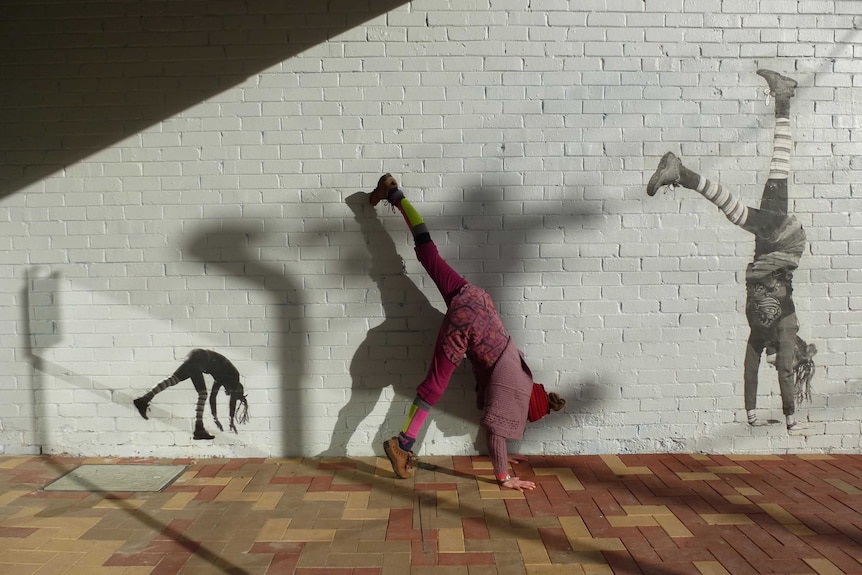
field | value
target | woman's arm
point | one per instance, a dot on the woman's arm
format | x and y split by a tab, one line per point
213	404
498	452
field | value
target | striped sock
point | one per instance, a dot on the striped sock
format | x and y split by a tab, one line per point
161	386
199	408
733	209
779	167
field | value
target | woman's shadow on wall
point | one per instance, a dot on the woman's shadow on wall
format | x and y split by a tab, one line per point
396	353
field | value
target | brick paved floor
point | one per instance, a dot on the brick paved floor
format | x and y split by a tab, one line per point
670	514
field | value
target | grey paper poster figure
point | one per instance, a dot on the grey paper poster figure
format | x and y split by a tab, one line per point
779	242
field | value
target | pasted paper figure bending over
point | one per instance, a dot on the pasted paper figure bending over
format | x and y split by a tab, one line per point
224	374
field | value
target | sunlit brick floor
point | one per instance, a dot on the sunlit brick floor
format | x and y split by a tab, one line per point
653	514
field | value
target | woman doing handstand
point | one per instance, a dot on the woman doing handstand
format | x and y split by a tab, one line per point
472	328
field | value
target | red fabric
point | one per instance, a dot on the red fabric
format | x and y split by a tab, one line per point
539	407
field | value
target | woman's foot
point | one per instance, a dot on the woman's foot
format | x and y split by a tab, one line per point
143	405
401	460
667	173
792	424
387	185
780	87
201	433
753	420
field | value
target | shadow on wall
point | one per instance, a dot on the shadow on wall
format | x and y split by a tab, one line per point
397	352
40	318
78	77
228	248
40	307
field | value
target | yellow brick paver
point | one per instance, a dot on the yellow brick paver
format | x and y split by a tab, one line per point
273	530
179	501
309	534
697	476
566	477
450	540
619	468
823	566
267	501
632	520
728	469
533	552
711	568
673	526
597	544
574	527
726	519
843	486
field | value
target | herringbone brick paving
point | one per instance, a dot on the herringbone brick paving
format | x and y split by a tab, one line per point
668	514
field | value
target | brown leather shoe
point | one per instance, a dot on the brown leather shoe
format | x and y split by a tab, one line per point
385	185
401	460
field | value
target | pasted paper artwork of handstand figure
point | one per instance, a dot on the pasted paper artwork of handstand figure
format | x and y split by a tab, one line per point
778	246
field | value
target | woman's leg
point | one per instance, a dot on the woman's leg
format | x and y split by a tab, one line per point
671	172
751	366
775	193
761	223
183	372
773	204
447	280
787	329
775	197
143	402
399	448
201	388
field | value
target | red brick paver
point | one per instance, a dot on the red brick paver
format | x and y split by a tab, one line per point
664	514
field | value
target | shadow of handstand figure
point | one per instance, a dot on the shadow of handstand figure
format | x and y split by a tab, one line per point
384	357
779	242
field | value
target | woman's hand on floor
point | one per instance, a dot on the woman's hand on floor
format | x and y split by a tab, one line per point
518	484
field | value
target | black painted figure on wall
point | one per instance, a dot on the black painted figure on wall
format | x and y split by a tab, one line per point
224	374
778	246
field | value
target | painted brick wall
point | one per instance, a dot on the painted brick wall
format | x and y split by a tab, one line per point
174	177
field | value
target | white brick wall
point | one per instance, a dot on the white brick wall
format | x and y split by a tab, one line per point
175	180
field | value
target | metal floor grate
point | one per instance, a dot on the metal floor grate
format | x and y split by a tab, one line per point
117	478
